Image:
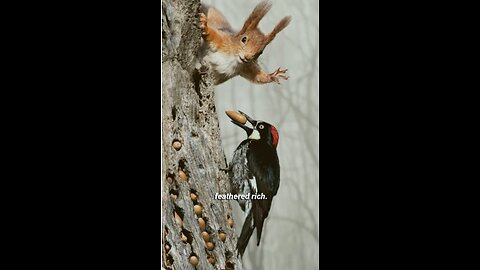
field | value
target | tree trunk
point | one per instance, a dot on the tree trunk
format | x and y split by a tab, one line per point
192	156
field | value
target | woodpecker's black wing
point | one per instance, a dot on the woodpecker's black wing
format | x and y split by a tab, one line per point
263	163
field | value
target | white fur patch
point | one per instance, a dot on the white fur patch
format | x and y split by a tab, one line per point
224	64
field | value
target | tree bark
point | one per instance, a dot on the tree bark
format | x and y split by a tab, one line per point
196	164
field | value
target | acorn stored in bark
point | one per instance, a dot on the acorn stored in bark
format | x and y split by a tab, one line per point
182	175
206	236
222	236
184	238
202	224
230	222
210	246
211	259
177	145
198	210
194	260
193	196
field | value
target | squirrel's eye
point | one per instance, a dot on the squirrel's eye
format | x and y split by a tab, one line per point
244	39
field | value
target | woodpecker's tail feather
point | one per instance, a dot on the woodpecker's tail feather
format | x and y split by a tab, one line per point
259	219
247	231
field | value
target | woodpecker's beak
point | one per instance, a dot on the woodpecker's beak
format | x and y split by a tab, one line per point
253	122
247	129
252	134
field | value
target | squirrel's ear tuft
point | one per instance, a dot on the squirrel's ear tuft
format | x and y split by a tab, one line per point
279	27
254	18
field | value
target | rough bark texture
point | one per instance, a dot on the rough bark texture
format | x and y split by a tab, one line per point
189	117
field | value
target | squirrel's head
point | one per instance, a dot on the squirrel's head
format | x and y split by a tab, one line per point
252	40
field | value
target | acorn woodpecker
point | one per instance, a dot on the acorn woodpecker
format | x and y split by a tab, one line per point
255	170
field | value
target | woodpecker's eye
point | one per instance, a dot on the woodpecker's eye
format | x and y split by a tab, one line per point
260	126
244	39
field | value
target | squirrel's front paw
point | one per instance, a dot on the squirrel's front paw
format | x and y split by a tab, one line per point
203	24
277	74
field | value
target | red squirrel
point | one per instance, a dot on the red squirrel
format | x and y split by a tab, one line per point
231	53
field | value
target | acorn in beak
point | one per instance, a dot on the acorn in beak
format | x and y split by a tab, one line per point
240	119
253	122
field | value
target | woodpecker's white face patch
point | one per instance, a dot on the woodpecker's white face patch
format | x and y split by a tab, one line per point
255	135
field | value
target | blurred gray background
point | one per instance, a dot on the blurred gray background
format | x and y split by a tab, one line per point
290	239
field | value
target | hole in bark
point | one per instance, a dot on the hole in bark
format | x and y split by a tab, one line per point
169	261
167	247
182	165
228	255
211	259
174	112
207	226
194	134
178	210
197	77
178	213
170	177
173	193
188	234
229	221
229	266
209	230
